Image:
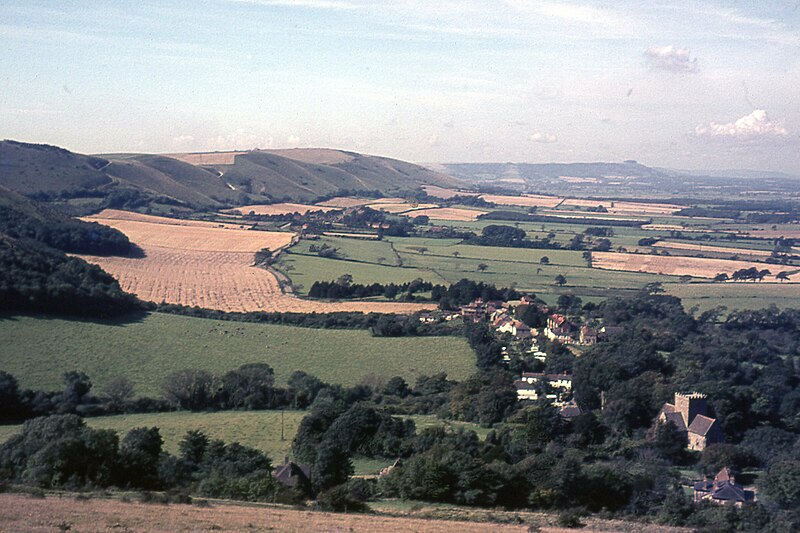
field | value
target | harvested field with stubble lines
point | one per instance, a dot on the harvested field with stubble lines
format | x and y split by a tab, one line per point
280	209
700	267
712	249
524	201
450	213
212	267
627	208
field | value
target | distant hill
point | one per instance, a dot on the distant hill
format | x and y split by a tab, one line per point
627	179
43	170
204	180
535	171
306	173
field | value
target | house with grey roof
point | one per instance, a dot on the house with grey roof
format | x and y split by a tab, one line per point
723	490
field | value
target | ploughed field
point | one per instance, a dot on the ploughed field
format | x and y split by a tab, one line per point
211	265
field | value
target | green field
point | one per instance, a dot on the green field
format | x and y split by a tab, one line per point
434	260
257	429
746	295
38	350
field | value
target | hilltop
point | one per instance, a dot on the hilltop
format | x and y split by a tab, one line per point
307	173
203	180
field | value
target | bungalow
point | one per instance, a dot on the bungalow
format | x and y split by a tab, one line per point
723	490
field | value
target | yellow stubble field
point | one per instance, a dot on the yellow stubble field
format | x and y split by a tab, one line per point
212	267
700	267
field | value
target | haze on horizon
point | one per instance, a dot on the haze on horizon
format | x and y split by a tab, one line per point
697	85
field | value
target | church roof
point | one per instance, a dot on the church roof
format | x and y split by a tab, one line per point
701	425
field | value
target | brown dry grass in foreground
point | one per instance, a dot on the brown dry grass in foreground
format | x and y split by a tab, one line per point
700	267
23	513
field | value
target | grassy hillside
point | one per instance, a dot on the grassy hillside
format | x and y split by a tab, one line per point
43	170
173	178
301	178
51	173
38	350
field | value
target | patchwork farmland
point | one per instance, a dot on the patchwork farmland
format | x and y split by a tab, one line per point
202	264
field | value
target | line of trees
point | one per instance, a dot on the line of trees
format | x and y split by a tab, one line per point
61	451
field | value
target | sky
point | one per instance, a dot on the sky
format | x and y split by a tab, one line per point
690	85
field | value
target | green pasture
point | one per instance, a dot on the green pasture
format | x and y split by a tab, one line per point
37	350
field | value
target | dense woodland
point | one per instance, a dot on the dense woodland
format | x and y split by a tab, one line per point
37	275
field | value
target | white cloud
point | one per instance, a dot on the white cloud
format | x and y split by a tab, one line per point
433	140
539	137
239	140
313	4
755	125
670	58
183	141
293	140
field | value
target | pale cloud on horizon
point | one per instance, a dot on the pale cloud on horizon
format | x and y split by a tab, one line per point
547	138
753	126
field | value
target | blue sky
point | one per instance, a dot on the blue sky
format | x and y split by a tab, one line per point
695	85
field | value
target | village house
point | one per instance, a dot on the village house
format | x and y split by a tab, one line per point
479	310
516	328
609	332
688	413
570	410
532	382
588	336
292	475
475	311
560	329
723	490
